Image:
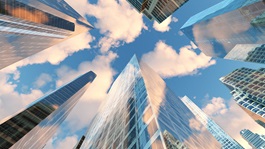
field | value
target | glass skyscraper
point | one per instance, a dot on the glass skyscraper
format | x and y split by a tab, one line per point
141	112
157	9
30	26
247	87
225	140
35	125
256	141
231	25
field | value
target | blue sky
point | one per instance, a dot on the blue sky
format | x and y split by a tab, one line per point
119	33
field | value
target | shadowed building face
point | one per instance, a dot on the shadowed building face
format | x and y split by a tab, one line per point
30	26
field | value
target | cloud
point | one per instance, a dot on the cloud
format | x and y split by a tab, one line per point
174	19
220	109
55	54
164	26
117	21
42	80
10	100
168	63
215	107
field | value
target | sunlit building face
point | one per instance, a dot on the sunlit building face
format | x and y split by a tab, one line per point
30	26
36	124
228	27
247	87
142	112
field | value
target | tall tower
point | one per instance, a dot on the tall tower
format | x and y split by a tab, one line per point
247	88
229	27
157	9
35	125
256	141
225	140
142	112
30	26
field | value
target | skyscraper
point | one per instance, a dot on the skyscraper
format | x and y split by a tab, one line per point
142	112
35	125
256	141
30	26
157	9
247	87
231	25
225	140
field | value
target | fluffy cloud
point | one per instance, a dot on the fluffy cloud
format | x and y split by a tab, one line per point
42	80
164	26
55	54
216	107
168	63
236	117
117	21
10	100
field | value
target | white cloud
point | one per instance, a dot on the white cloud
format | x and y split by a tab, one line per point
10	100
117	21
42	80
55	54
174	19
215	107
236	117
168	63
164	26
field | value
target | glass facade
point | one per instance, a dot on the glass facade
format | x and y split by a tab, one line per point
255	140
34	126
140	112
30	26
248	52
225	140
247	87
220	28
157	9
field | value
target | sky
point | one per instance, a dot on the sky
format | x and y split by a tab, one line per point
119	33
